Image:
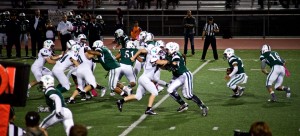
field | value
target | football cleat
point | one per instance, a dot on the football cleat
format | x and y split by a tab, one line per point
241	91
119	105
204	111
103	91
288	92
150	112
235	95
94	93
272	100
69	101
41	108
160	88
127	89
183	107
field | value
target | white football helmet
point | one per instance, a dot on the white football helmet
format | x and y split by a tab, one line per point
157	51
265	48
149	37
22	14
48	44
229	52
172	47
47	81
81	37
98	44
70	43
119	33
99	17
130	45
142	35
75	48
78	17
160	44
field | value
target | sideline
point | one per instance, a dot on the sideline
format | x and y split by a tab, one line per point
144	116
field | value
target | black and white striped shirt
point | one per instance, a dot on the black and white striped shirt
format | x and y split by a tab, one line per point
209	29
14	130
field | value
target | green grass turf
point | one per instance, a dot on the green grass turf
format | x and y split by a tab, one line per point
225	113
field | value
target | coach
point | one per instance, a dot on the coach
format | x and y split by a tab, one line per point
37	32
64	29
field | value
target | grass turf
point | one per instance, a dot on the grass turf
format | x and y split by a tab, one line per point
225	113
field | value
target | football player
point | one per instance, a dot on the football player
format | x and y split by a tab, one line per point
66	61
24	27
145	81
85	77
181	77
121	38
277	72
238	75
55	100
45	55
126	64
109	63
139	45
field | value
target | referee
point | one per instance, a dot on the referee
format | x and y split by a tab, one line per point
64	29
209	31
14	130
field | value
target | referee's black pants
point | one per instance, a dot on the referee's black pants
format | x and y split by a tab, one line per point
210	40
63	40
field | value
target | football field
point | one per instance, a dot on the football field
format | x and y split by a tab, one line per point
101	116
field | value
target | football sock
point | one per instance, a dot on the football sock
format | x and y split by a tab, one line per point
198	101
148	108
26	49
122	100
29	86
177	97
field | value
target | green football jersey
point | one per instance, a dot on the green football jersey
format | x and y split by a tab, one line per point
181	68
236	60
272	58
123	40
126	54
50	102
107	60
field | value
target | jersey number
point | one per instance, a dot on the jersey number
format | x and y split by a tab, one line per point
128	54
276	57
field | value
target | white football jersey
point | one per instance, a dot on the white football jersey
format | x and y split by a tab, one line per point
82	59
41	59
149	69
64	62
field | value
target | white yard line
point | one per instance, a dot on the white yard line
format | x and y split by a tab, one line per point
144	116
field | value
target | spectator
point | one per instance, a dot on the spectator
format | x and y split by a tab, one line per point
260	128
119	19
149	3
24	27
135	31
189	24
60	4
13	36
78	130
64	29
131	3
32	120
50	31
209	30
158	2
14	130
170	1
98	2
37	32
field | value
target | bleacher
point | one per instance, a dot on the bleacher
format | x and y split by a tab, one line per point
204	5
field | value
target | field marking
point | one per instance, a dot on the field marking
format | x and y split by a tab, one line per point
172	128
215	128
143	117
89	127
253	69
217	69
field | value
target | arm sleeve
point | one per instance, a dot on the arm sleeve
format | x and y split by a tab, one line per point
235	69
58	104
263	64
